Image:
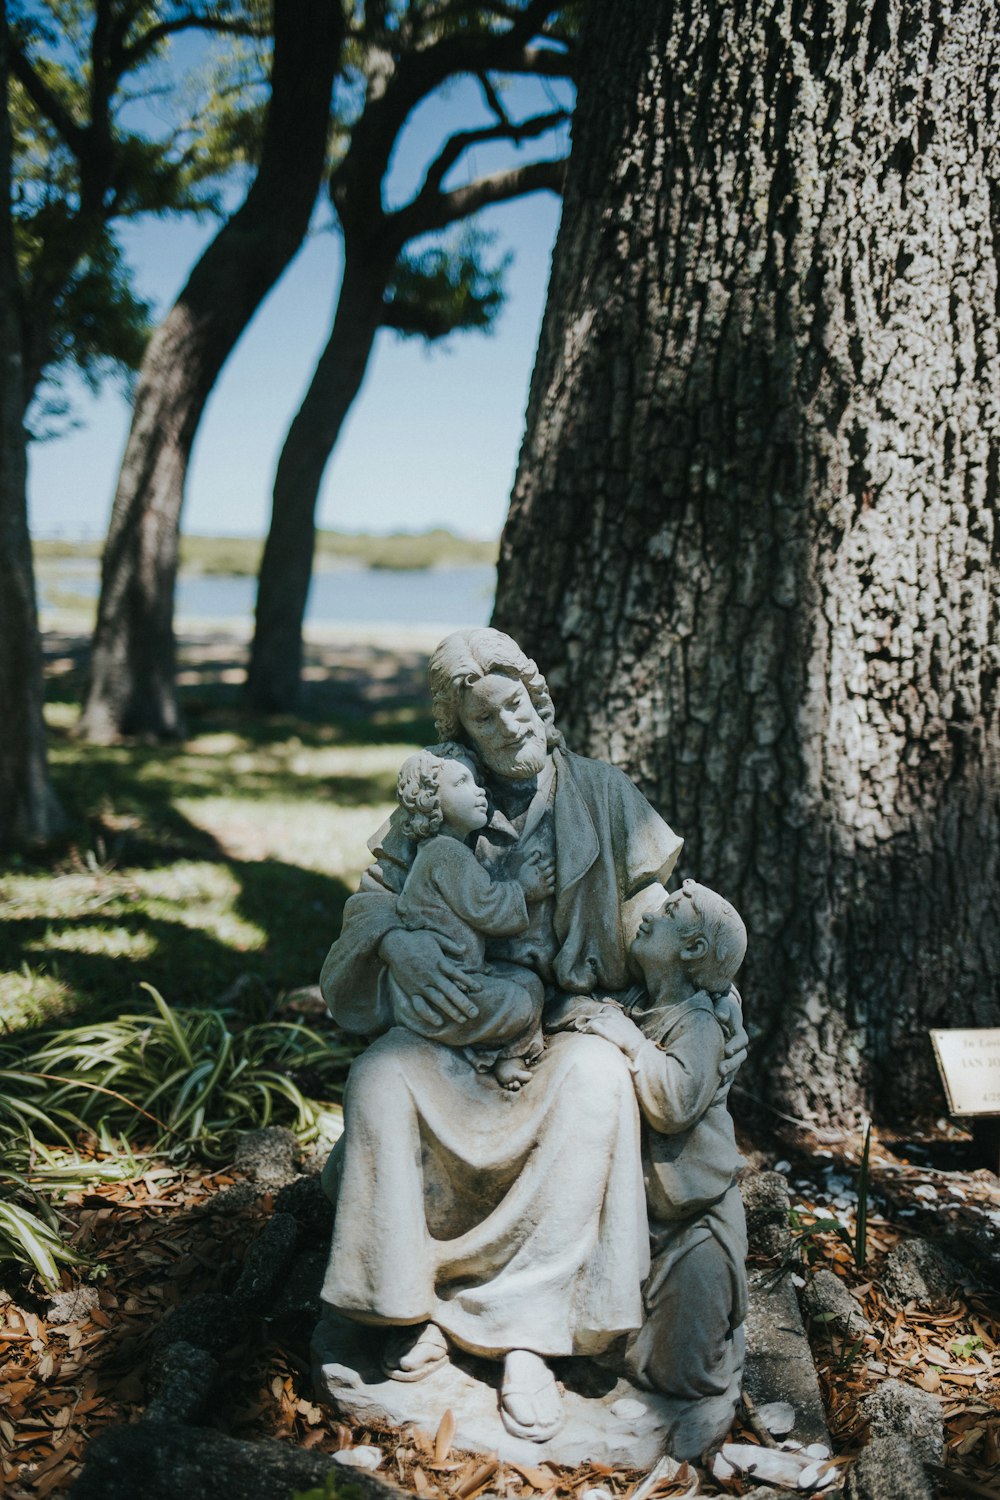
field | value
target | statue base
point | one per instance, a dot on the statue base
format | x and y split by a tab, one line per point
607	1419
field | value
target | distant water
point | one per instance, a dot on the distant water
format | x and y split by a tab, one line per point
349	596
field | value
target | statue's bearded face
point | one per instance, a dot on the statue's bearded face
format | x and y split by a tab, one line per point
504	726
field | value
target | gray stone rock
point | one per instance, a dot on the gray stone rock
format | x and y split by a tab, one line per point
181	1385
231	1200
908	1412
72	1307
827	1301
267	1261
268	1157
767	1205
309	1206
299	1294
917	1271
779	1364
209	1321
165	1460
889	1468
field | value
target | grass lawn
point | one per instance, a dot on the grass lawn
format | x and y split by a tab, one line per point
224	858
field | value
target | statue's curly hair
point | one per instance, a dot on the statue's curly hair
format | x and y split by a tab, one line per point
723	930
466	656
417	786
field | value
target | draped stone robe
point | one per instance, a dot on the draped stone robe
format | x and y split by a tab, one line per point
513	1221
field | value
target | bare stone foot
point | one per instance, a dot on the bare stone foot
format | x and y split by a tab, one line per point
415	1352
530	1405
511	1073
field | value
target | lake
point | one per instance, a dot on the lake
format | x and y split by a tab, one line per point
347	596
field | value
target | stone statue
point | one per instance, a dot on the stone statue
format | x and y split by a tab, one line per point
448	892
481	1222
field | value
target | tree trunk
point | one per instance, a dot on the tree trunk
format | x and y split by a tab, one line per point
132	687
750	535
286	567
29	812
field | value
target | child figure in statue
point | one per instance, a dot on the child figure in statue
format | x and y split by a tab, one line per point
691	1345
449	892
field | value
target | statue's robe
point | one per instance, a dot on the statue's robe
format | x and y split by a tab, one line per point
513	1221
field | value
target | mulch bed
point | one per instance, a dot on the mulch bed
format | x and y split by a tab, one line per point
62	1382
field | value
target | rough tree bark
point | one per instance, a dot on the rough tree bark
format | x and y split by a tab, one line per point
750	537
28	809
286	566
131	688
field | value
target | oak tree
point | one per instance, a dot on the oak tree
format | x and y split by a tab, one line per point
752	537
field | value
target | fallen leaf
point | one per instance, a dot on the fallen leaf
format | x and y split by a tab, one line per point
444	1436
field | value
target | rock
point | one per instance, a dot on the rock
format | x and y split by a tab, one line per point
905	1411
889	1468
977	1247
627	1410
363	1457
299	1295
268	1156
209	1321
165	1460
767	1205
827	1301
773	1465
72	1307
917	1271
182	1383
231	1200
309	1206
779	1364
266	1261
778	1417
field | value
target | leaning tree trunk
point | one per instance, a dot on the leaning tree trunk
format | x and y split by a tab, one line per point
275	670
28	808
750	534
132	688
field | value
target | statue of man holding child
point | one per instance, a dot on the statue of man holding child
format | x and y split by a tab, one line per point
538	1161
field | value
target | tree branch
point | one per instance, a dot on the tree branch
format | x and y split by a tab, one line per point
46	101
443	209
493	101
464	140
143	45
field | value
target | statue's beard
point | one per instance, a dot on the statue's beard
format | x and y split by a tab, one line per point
519	762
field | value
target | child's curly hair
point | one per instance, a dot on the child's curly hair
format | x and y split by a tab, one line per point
417	786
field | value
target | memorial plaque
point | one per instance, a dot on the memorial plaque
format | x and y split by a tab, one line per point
969	1061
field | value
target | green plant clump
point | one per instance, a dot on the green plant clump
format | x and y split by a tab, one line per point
171	1082
180	1080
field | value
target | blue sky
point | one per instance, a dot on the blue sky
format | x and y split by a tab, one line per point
434	435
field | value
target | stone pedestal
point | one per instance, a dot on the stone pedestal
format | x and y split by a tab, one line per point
607	1419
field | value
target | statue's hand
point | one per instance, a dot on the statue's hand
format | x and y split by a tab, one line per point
567	1011
433	986
729	1014
614	1025
537	876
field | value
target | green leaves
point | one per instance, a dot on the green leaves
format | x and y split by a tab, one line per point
445	289
176	1082
180	1080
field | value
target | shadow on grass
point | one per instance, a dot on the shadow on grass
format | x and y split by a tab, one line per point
157	879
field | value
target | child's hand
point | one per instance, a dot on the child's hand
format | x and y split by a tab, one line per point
537	876
614	1025
729	1014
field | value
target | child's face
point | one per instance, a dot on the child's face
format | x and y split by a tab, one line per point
462	799
665	934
